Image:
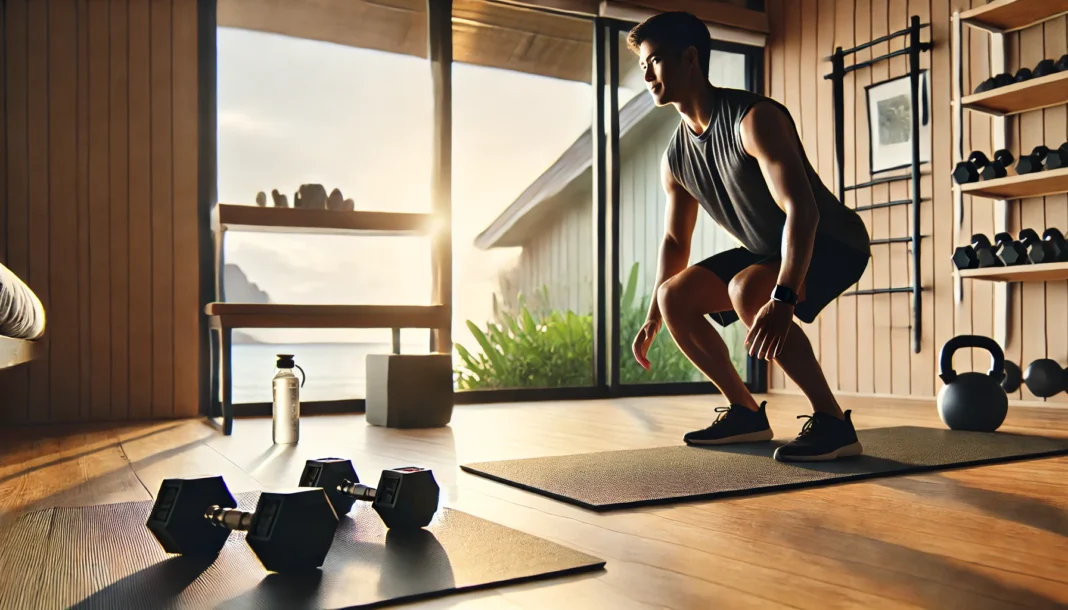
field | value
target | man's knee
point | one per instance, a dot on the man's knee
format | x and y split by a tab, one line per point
670	297
749	291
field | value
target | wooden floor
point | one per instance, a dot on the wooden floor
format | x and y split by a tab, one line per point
989	537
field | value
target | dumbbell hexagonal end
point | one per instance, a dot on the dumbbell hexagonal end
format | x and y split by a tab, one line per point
292	530
407	498
329	473
177	518
964	257
965	173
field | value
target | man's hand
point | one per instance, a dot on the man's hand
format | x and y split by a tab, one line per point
644	340
768	335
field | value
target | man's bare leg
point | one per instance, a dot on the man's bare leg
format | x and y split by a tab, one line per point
684	300
749	291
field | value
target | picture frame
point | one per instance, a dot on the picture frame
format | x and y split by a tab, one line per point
890	123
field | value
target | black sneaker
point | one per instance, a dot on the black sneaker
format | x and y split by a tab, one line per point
823	437
735	424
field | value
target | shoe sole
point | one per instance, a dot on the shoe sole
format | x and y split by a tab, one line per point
750	437
847	451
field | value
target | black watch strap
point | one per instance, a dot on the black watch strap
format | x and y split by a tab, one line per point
784	294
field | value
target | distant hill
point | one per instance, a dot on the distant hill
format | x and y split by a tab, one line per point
239	289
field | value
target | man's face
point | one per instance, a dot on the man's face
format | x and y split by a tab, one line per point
666	72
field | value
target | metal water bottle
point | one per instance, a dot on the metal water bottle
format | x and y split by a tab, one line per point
286	406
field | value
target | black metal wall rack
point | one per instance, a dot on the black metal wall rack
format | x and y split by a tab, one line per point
913	48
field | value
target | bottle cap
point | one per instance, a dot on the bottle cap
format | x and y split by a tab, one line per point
285	361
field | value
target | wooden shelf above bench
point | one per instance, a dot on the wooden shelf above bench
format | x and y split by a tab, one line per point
1047	272
298	220
1038	184
251	315
1003	16
1034	94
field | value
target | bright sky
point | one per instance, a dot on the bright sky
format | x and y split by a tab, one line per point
294	111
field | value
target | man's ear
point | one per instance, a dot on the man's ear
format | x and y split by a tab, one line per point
690	57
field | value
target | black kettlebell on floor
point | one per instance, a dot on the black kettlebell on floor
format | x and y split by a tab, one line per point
972	401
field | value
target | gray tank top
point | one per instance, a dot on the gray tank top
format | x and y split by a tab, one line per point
729	185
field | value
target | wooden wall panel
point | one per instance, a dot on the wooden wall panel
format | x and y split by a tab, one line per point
98	191
15	382
825	34
881	348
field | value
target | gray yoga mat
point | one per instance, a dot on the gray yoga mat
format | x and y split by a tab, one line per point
611	480
104	557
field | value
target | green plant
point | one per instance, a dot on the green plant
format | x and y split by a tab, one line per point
540	347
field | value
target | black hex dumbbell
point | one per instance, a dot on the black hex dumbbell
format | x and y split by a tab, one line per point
406	498
964	257
998	168
1044	68
1062	63
984	251
1010	251
968	171
288	531
1038	251
1055	239
1058	157
1032	163
1023	74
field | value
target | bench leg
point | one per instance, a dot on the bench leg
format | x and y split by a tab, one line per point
214	404
227	380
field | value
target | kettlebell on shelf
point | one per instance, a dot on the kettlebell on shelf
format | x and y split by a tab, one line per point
972	401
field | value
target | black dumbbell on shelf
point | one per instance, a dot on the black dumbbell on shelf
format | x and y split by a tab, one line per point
1045	377
406	498
1010	251
978	255
288	531
1057	158
1029	164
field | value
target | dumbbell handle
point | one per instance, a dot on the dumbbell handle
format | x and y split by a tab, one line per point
357	490
230	518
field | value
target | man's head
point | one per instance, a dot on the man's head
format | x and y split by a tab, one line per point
673	51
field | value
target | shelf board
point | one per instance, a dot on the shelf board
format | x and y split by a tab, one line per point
1038	184
255	315
1034	94
1003	16
1048	272
232	217
14	352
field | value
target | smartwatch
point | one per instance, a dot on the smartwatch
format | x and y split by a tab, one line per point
784	294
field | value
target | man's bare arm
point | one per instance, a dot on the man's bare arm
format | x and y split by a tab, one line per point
681	216
767	135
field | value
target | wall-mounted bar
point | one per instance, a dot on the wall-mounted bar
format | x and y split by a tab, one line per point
878	291
894	240
872	43
888	204
883	180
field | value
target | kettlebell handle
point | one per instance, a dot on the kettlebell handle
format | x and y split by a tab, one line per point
997	356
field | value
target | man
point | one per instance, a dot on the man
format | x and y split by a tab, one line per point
738	155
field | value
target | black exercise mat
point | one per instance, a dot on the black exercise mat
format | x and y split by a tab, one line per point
611	480
104	557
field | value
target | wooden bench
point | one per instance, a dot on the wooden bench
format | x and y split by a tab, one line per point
224	317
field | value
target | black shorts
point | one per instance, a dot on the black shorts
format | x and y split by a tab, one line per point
834	267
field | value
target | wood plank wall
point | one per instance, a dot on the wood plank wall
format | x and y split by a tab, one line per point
864	342
98	205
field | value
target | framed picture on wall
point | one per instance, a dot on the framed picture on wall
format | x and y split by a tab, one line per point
890	123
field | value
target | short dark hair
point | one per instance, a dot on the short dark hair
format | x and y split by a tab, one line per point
677	31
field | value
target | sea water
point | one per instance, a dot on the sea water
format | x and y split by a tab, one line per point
336	371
